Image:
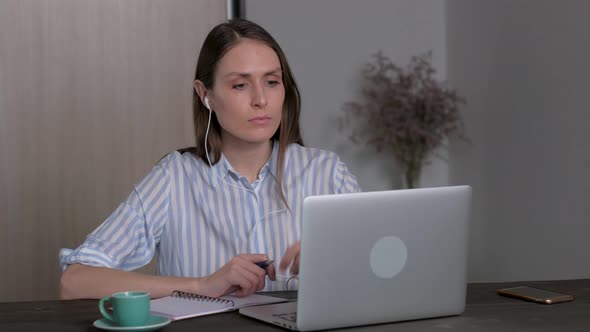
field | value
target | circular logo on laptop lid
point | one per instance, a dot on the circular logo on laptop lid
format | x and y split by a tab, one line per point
388	257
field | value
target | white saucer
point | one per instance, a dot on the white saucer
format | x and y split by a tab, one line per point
153	323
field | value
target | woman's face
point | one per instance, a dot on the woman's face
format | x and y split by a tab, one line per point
248	93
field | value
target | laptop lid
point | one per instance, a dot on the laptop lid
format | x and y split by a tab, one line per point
386	256
378	257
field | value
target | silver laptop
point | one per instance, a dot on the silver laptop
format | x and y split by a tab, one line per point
378	257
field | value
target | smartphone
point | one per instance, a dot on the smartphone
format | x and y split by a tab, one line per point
535	294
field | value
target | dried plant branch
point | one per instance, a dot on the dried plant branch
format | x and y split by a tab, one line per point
405	111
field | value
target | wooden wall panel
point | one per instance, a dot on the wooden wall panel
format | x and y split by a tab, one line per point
92	94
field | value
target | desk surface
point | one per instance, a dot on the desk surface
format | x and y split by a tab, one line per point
485	311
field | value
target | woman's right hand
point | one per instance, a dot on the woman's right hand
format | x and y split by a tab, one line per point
240	276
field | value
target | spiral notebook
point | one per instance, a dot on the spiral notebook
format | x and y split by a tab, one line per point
181	305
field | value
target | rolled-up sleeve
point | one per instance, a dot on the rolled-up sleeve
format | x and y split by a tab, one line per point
127	239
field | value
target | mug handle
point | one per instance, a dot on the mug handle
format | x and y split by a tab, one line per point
103	310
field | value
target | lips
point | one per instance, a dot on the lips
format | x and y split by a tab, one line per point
261	119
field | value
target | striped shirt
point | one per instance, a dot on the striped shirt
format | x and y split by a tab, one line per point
196	218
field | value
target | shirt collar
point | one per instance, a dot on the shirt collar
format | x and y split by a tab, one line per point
220	170
272	164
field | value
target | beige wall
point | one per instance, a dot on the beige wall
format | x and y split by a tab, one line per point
92	94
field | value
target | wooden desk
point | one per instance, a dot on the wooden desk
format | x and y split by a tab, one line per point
485	311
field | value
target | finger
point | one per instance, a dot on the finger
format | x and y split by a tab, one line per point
249	280
237	276
289	255
241	293
230	290
261	284
295	266
250	266
244	288
261	275
254	258
271	272
244	267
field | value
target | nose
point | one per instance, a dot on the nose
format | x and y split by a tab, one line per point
259	97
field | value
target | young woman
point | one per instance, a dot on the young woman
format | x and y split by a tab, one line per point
212	212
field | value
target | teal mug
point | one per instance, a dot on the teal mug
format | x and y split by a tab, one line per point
129	308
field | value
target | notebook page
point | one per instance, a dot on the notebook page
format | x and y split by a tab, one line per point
252	300
175	307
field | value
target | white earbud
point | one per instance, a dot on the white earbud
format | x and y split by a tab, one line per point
206	102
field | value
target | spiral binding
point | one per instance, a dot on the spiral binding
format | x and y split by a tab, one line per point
201	298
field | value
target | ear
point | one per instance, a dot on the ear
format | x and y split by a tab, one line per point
201	90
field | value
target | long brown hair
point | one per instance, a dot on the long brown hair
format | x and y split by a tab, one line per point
218	42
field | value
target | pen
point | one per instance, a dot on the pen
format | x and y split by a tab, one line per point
264	264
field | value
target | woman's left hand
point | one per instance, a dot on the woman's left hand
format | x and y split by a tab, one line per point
291	257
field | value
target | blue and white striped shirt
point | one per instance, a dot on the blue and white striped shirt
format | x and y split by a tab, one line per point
197	218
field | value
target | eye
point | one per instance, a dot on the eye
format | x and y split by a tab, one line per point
272	83
240	86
